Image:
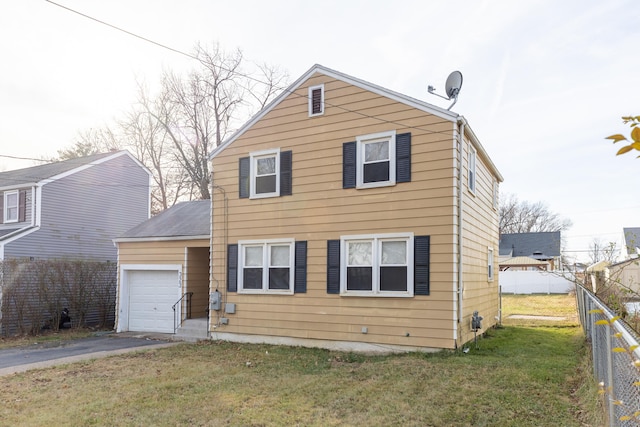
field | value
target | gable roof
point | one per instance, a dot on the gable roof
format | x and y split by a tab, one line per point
186	219
51	171
412	102
543	245
631	239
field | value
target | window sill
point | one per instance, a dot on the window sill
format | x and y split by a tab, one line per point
377	294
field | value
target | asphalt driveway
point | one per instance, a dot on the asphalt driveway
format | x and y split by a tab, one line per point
42	355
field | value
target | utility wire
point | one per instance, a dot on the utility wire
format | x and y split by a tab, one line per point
161	45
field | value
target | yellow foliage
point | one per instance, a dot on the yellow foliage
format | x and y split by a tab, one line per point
619	350
596	311
602	322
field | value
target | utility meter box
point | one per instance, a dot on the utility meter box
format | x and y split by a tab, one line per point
476	321
215	301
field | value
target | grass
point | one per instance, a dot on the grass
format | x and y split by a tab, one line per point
518	376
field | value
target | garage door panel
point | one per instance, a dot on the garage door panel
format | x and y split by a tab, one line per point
152	294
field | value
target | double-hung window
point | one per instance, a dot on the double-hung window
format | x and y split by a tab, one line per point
376	160
265	179
377	265
11	206
266	266
376	163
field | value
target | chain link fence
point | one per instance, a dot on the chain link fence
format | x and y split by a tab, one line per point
616	359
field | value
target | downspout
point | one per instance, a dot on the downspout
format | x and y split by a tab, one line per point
461	124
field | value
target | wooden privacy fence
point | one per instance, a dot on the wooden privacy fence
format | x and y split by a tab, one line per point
34	293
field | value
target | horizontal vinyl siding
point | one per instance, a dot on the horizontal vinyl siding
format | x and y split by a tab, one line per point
320	210
480	232
82	213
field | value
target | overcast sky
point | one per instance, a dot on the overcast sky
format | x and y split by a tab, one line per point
544	81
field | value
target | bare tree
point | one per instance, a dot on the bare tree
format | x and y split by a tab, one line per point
174	130
599	251
524	217
91	141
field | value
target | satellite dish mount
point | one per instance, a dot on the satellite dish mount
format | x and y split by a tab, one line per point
452	88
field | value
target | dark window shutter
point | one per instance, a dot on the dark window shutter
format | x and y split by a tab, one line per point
22	206
300	281
244	168
285	173
333	266
403	157
316	101
232	268
349	165
1	207
421	265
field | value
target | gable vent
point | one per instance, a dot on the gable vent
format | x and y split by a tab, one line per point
316	100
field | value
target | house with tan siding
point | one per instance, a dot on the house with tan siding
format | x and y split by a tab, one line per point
349	216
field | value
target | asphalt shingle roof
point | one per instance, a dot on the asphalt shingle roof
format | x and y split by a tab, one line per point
528	244
188	219
41	172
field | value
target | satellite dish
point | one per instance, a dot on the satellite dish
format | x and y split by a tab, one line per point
452	87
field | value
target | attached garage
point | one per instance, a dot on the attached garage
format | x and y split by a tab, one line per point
152	293
161	263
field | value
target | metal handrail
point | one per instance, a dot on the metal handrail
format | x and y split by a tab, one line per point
187	298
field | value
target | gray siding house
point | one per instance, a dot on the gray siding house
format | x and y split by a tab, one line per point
72	209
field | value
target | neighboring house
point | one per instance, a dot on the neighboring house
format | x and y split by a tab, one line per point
160	261
349	216
69	211
631	242
72	209
523	263
543	246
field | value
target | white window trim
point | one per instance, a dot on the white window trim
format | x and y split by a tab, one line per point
252	167
6	218
265	267
377	238
495	195
491	271
310	96
472	180
374	137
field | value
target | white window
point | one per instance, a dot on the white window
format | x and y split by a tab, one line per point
266	266
316	100
265	179
11	206
490	264
472	169
376	160
377	265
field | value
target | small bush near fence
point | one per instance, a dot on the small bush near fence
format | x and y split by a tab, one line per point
34	293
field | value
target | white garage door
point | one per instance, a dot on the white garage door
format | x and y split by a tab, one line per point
151	295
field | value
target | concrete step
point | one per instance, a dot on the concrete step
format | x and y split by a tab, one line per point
193	330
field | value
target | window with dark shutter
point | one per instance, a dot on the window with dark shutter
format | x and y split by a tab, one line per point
349	165
421	264
1	208
403	157
376	160
333	266
285	173
300	285
232	268
22	206
265	174
244	168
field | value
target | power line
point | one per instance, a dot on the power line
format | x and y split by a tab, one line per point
164	46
